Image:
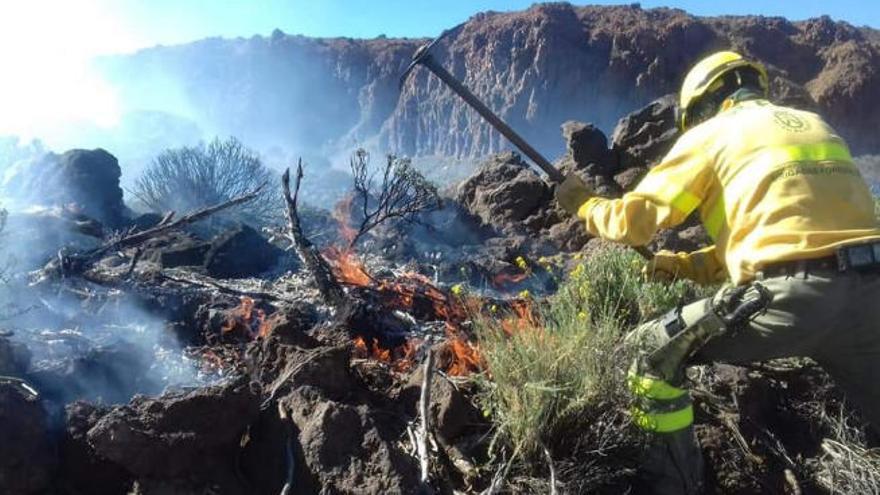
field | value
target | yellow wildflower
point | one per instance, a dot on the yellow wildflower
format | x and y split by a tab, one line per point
524	294
521	263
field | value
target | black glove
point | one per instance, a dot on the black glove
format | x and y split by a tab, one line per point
572	193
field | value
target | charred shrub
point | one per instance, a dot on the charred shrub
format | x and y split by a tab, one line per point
400	194
190	178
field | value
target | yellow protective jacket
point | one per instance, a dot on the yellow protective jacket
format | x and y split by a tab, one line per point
771	184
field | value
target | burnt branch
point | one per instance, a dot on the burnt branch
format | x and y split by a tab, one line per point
76	264
168	224
307	252
401	195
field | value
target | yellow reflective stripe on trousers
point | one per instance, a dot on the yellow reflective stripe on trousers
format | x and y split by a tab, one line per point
653	388
663	422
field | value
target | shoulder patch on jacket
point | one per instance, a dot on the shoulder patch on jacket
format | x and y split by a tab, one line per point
790	121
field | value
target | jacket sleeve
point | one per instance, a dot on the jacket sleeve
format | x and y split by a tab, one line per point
703	266
664	198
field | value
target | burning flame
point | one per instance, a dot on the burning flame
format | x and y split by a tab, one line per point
347	268
521	317
465	357
401	358
417	295
503	279
342	215
248	319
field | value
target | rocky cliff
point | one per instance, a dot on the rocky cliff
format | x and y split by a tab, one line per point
537	68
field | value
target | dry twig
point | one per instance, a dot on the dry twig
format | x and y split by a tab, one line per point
552	469
425	413
289	456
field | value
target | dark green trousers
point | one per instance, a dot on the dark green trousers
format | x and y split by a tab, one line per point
831	317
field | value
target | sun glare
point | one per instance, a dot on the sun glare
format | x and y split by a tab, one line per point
45	49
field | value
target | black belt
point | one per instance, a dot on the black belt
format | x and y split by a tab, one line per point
781	268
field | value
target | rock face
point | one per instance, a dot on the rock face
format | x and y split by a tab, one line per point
27	459
503	192
240	252
181	435
644	136
85	180
537	68
505	195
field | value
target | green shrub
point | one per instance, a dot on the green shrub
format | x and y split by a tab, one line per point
548	383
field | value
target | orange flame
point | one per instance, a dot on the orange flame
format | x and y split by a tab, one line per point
401	358
251	321
410	292
342	215
465	356
521	317
502	279
347	268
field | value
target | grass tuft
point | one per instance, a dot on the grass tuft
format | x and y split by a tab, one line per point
559	379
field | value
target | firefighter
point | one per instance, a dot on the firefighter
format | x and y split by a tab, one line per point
795	238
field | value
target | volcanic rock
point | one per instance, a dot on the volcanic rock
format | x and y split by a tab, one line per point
587	149
346	449
27	459
685	238
108	373
240	252
186	434
85	180
176	249
14	357
569	235
452	414
503	192
146	221
39	232
81	469
629	178
642	137
291	323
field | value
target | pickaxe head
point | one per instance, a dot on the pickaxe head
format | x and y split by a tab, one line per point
423	53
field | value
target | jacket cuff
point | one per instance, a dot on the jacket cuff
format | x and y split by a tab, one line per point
584	210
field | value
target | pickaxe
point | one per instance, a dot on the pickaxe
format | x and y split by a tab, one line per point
423	57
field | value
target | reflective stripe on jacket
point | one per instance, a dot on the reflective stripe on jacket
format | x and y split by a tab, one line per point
770	183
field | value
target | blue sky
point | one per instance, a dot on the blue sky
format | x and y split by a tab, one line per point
171	21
